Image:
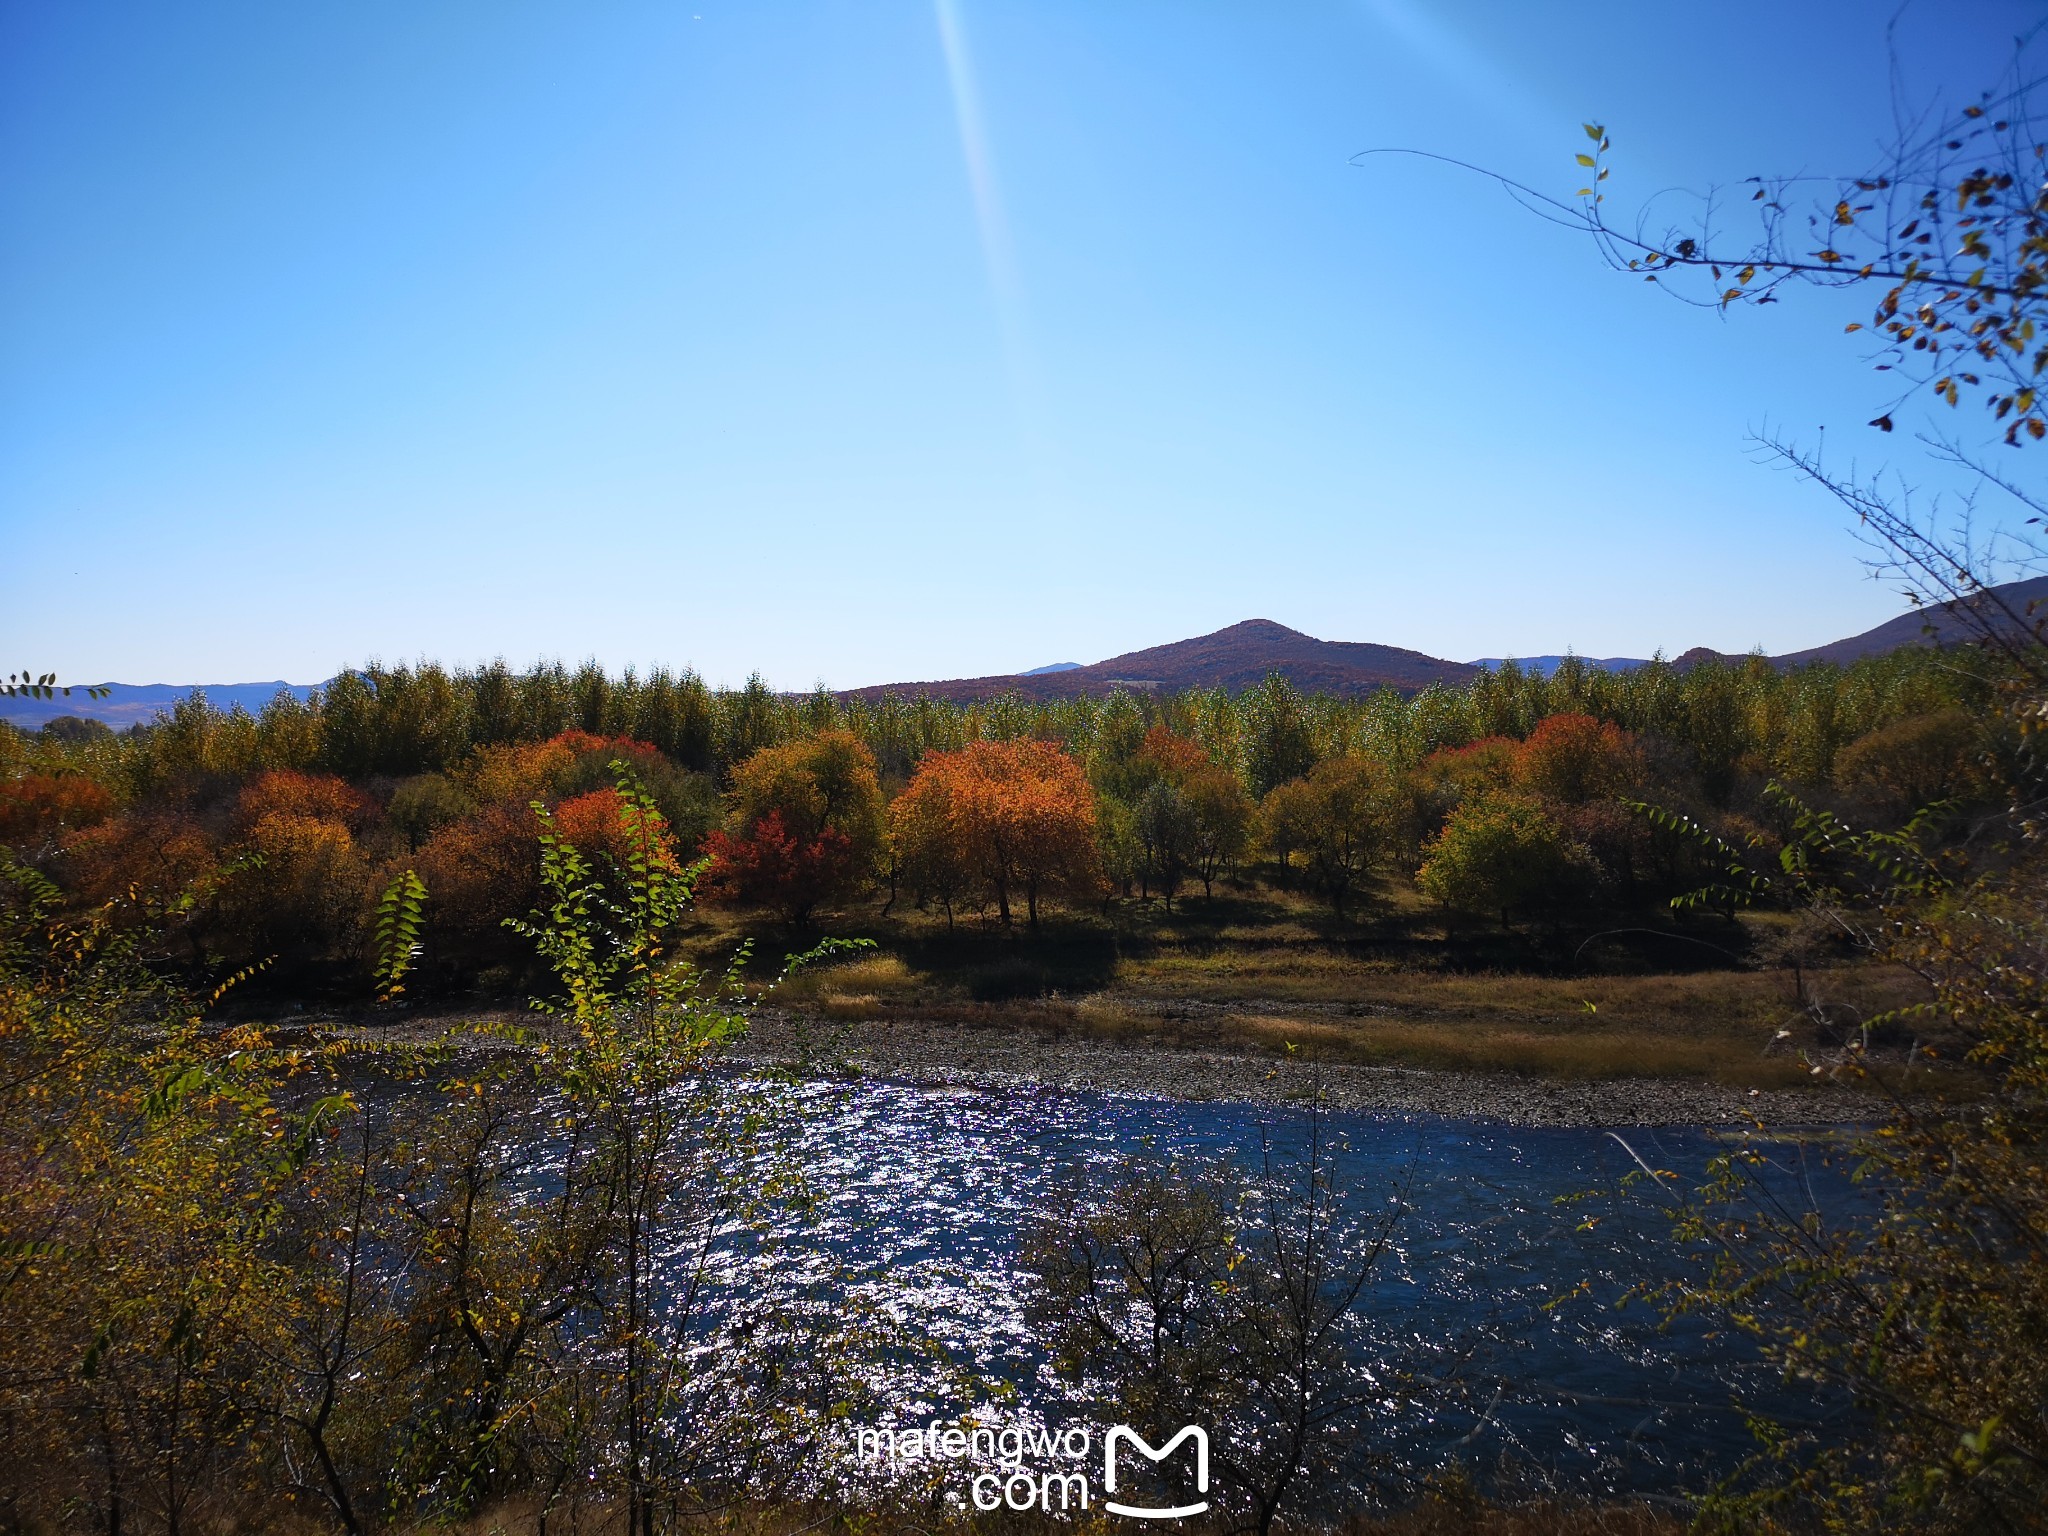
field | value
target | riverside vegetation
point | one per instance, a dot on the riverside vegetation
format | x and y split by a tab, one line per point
1464	861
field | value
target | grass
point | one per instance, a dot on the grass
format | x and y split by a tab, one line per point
1261	971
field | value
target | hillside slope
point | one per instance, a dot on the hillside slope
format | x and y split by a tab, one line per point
1235	658
1948	625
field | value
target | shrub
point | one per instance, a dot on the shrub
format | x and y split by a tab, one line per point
40	805
318	797
480	871
1574	758
307	890
1504	854
1914	762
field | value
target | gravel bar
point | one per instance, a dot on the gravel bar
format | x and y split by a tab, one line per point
908	1050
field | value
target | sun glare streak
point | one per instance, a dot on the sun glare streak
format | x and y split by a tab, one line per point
1484	82
1006	291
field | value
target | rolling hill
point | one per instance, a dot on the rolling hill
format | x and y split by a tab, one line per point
1233	658
1948	623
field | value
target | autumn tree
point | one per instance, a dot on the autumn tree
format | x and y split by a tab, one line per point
1346	802
1914	762
1222	815
1017	819
1502	854
300	883
1286	822
1164	823
1573	759
45	805
805	827
927	854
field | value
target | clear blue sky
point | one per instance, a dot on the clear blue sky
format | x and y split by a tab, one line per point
885	339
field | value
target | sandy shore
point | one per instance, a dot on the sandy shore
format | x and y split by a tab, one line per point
915	1051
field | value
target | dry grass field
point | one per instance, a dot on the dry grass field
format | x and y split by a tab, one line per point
1740	1002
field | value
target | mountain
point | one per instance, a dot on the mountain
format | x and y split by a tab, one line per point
129	704
1057	666
1235	658
1948	623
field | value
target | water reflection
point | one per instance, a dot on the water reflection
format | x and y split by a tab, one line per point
925	1192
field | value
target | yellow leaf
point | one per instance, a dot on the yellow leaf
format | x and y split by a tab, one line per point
1583	159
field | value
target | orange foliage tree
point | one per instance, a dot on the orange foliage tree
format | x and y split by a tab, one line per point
480	871
597	824
306	885
1015	817
1573	759
321	797
38	805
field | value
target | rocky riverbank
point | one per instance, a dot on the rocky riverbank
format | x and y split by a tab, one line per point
911	1050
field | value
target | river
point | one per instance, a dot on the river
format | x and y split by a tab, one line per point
925	1192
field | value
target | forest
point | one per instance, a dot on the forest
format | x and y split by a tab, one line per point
1493	815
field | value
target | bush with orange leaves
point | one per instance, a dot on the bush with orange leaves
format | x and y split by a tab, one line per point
317	796
1575	759
305	893
1012	817
518	774
303	887
157	868
38	806
596	825
478	872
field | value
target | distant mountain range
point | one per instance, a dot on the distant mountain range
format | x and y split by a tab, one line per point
1234	658
129	704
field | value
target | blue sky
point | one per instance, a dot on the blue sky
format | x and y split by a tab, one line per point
871	341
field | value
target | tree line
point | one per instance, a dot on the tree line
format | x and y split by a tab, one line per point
252	839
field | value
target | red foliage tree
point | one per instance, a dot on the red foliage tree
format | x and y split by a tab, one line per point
771	866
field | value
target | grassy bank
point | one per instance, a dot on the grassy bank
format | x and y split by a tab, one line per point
1744	1003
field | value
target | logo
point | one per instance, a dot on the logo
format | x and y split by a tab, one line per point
1124	1432
1029	1465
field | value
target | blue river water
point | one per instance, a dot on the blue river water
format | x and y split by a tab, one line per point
1494	1270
